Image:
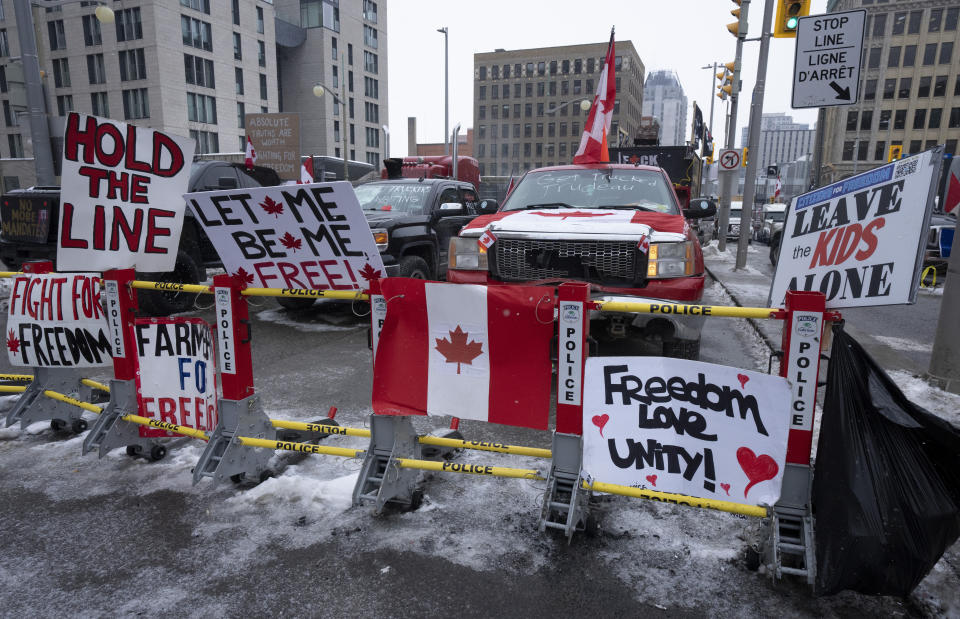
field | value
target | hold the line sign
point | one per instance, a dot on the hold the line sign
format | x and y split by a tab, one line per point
827	63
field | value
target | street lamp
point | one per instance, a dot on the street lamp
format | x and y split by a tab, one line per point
318	91
446	87
584	106
36	104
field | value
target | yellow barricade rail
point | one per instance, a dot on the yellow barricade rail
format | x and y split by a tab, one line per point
517	450
681	309
468	469
679	499
308	448
10	273
20	378
95	385
87	406
319	427
12	388
254	292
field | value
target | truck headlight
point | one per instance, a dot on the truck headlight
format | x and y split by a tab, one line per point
381	237
670	260
466	254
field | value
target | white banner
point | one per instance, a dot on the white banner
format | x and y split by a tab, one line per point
176	376
291	236
121	199
56	320
685	427
860	241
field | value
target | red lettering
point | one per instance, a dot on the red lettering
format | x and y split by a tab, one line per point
346	264
185	412
31	306
287	271
333	277
138	188
66	240
46	300
823	244
131	159
113	159
95	175
97	307
117	181
131	234
16	293
154	231
313	276
870	238
258	267
145	408
168	410
99	228
198	406
74	137
846	246
77	295
59	282
161	142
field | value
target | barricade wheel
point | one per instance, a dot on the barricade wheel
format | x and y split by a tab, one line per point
158	452
133	451
591	528
416	499
752	559
79	425
266	474
57	425
238	478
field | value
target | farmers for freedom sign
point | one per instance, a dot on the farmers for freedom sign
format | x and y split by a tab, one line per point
121	199
291	236
55	320
860	241
685	427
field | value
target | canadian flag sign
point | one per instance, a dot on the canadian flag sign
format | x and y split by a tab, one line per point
473	352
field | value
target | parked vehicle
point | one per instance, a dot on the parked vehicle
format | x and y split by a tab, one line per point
939	239
772	216
438	166
20	243
733	221
619	227
327	169
412	221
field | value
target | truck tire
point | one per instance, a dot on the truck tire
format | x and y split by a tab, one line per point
682	349
293	304
415	267
775	249
163	303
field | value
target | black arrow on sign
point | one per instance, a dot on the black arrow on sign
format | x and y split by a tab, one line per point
843	94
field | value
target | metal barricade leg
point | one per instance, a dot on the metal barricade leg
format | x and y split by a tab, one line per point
107	433
224	456
565	503
32	406
381	481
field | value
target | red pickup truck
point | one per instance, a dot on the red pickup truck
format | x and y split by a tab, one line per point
619	227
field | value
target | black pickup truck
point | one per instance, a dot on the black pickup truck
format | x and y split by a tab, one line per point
29	220
412	221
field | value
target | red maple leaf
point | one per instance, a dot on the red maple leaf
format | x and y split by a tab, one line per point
573	214
369	273
243	276
457	350
12	342
291	242
271	206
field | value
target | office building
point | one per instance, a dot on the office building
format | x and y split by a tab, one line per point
196	68
663	99
526	111
909	93
782	141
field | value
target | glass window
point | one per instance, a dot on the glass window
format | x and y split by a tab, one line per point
91	31
873	60
565	66
261	54
870	90
577	66
924	89
884	122
370	11
495	72
900	119
541	68
529	89
136	104
851	120
914	25
909	55
879	150
99	104
951	147
935	114
914	147
133	65
889	88
893	60
260	19
936	17
940	86
4	43
952	14
263	86
64	104
866	120
370	62
58	37
862	148
201	108
196	33
61	72
128	24
929	54
238	78
954	121
553	67
919	119
197	5
946	52
541	89
237	47
899	22
905	84
879	24
236	12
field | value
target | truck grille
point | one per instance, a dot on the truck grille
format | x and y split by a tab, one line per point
597	261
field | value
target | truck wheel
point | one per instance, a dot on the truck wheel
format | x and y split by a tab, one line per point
163	303
774	250
294	304
415	267
682	349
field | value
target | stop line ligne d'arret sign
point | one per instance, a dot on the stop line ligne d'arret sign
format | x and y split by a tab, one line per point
827	65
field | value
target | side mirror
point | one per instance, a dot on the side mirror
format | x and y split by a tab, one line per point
700	208
228	182
452	208
489	207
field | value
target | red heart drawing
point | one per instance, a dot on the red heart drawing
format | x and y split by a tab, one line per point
757	468
653	480
726	488
743	378
600	421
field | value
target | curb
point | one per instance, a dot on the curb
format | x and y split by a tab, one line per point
772	346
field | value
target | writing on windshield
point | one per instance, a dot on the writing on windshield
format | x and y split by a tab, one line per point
641	189
405	197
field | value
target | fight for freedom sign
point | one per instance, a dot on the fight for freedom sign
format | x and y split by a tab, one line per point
311	237
860	241
176	375
121	201
56	321
685	427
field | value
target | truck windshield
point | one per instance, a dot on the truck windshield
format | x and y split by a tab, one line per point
776	216
593	188
403	197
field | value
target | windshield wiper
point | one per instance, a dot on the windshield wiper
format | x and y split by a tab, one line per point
629	207
549	205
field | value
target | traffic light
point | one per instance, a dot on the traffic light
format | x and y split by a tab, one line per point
773	171
789	13
739	27
744	162
710	157
726	90
895	152
726	81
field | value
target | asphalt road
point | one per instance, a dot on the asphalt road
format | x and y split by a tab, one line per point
120	536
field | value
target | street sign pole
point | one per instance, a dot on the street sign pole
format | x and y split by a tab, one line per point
756	119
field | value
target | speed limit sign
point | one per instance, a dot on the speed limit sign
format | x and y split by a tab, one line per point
730	159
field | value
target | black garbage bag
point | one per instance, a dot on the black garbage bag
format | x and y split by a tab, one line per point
886	484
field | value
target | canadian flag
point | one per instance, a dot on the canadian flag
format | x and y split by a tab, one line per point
306	172
250	156
473	352
593	143
644	244
487	239
776	193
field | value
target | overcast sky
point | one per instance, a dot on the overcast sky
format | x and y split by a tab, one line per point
677	35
